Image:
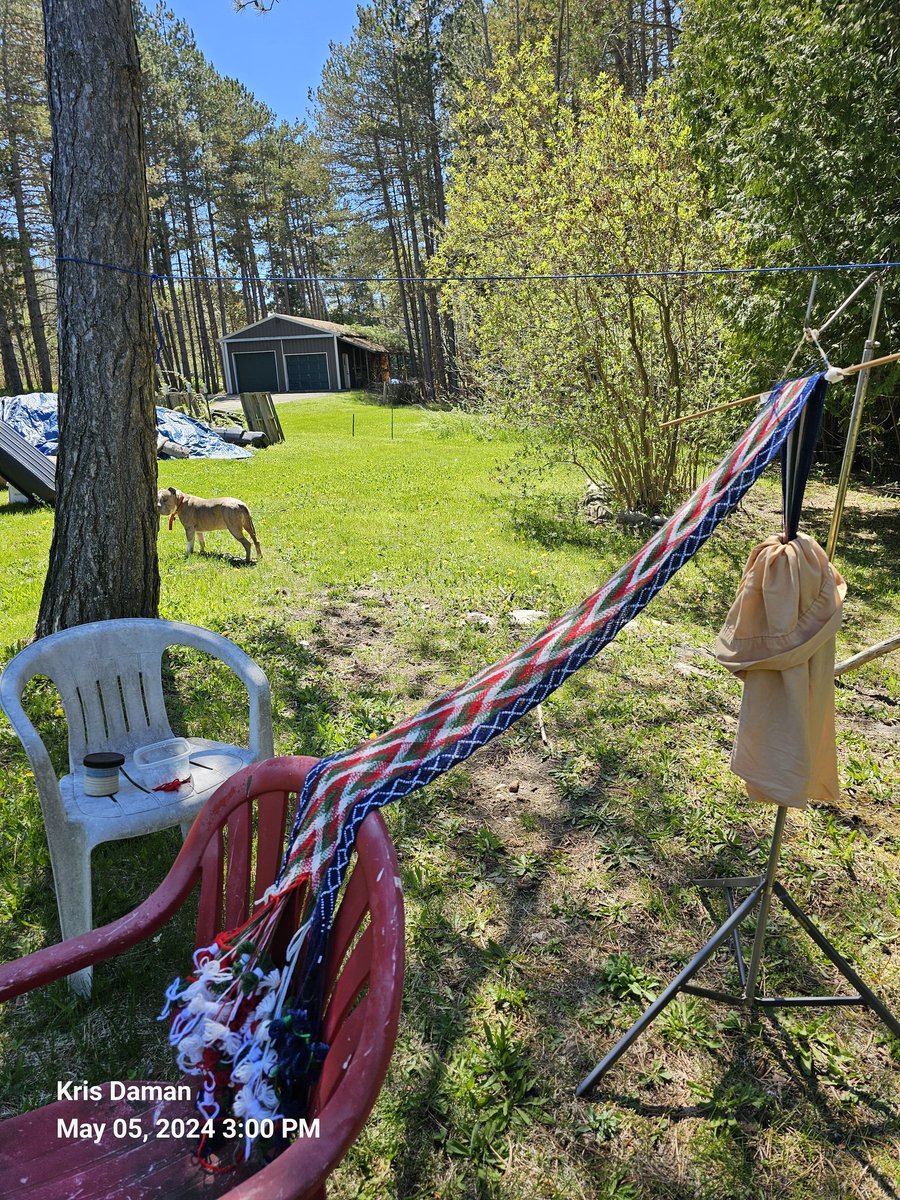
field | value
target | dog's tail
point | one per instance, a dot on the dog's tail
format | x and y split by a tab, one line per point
248	525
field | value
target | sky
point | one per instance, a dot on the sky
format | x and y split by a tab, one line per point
278	55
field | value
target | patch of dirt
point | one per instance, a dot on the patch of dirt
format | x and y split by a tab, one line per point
356	639
508	782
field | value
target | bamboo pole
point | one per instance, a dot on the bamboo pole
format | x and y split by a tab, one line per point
874	362
864	656
695	416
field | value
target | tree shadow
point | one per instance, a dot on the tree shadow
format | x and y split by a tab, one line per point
219	556
629	833
868	551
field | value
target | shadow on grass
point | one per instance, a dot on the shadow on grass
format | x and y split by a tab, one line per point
625	804
218	556
716	575
29	507
735	1102
868	551
628	842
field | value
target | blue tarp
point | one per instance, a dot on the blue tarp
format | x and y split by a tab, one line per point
195	436
34	417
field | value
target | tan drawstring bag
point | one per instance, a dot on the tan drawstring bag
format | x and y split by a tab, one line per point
778	638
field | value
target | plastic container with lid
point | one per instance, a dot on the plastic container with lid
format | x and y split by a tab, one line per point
101	773
165	766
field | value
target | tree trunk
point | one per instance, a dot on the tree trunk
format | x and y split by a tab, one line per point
8	323
195	286
103	560
23	354
255	279
165	253
12	379
217	267
35	313
395	249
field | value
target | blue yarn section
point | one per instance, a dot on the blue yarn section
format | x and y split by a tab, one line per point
157	326
429	770
524	277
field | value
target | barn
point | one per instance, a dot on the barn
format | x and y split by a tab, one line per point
300	354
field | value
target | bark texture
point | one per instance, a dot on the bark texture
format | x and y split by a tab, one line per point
103	560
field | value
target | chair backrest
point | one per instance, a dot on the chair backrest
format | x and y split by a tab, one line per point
109	677
240	836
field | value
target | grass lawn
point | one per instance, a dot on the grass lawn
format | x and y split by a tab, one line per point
547	888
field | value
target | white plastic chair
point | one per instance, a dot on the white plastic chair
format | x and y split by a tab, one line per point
109	677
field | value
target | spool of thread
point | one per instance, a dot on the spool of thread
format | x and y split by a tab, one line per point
101	773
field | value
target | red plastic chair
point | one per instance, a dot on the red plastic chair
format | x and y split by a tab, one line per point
364	989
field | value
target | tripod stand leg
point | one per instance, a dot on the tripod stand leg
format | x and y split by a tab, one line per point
868	996
647	1018
762	919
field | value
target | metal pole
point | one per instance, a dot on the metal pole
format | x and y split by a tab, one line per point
765	902
862	386
353	424
722	934
846	304
809	303
392	422
866	994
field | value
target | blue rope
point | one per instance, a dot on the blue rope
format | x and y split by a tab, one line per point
512	278
152	276
155	277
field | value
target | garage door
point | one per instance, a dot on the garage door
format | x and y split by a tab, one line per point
256	371
307	373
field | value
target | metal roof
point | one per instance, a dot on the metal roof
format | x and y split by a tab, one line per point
340	331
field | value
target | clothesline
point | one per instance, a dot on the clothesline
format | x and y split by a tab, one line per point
513	277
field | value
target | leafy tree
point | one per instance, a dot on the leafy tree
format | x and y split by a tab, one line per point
589	368
795	114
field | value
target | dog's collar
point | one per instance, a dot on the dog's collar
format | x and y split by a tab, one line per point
174	512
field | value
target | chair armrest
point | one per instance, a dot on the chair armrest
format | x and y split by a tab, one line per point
248	672
54	962
12	684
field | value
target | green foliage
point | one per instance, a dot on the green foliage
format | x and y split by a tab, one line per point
625	980
818	1050
498	1088
588	369
794	110
686	1023
725	1105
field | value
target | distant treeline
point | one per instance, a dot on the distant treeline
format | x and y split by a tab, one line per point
236	192
792	119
